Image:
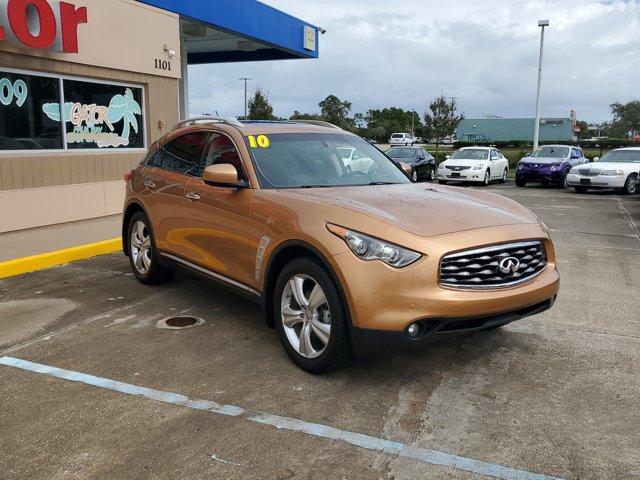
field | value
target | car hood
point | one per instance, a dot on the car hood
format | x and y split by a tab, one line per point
423	210
628	167
544	161
451	162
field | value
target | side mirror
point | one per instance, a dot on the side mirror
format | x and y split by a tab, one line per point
222	175
596	159
447	157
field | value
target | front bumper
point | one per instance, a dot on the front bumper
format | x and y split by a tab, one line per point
383	298
372	342
543	175
462	176
598	181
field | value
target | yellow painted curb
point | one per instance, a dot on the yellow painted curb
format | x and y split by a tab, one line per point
19	266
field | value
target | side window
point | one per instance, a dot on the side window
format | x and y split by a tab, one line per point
182	154
221	149
494	155
156	159
575	153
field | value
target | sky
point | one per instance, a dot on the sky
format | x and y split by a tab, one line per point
405	53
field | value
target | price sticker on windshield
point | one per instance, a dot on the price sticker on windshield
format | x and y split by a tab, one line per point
261	141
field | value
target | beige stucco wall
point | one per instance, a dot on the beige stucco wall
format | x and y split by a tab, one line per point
121	42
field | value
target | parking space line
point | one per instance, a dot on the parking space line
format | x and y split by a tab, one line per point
432	457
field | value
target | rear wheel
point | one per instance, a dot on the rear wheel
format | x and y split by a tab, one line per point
414	175
630	186
143	255
310	316
581	189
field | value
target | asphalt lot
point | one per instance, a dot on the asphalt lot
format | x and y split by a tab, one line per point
555	394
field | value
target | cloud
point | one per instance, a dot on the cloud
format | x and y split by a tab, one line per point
404	53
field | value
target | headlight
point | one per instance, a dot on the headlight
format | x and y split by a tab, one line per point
613	173
479	167
520	166
573	171
368	248
554	168
442	166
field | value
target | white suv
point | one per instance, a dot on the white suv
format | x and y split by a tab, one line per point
402	139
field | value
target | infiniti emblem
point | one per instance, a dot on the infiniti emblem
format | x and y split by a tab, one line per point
509	265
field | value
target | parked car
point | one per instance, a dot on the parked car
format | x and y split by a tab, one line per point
549	164
422	164
474	164
402	139
355	160
619	169
339	260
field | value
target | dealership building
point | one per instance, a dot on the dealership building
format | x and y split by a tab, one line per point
87	85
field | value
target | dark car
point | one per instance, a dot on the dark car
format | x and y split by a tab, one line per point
423	165
549	165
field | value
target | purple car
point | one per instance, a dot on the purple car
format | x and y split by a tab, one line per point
549	164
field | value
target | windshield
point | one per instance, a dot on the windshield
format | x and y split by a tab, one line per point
305	160
345	152
401	152
622	156
470	154
551	152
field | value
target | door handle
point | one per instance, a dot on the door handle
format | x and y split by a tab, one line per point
149	183
192	196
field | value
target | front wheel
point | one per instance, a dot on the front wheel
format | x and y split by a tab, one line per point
143	255
414	175
310	316
521	182
487	178
630	186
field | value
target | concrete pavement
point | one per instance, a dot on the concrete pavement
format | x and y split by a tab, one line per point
555	394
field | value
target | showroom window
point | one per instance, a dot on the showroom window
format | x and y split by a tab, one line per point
23	123
97	115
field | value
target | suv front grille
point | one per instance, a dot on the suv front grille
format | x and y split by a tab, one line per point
498	266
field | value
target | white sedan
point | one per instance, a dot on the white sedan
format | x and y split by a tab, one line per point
618	169
354	160
474	164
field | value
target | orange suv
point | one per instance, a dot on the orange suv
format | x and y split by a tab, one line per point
343	260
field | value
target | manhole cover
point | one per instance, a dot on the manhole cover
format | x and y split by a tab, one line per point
179	323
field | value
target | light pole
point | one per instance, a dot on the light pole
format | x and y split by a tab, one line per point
246	79
536	128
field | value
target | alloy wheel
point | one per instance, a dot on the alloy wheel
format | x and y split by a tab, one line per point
141	247
414	175
306	316
632	185
487	177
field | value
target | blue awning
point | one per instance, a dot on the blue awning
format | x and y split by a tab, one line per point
215	31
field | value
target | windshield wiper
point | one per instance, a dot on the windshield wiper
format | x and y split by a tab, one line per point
382	183
314	186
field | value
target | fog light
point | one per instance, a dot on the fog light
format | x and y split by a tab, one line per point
414	330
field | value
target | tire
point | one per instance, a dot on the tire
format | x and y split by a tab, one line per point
487	178
143	256
630	186
581	189
431	176
521	182
565	183
313	355
442	182
504	176
414	175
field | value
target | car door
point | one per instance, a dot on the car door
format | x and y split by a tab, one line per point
165	177
496	164
217	223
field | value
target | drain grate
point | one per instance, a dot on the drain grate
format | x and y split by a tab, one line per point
179	323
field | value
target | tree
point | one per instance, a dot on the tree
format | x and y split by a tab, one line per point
305	116
584	129
627	116
336	111
390	120
259	107
442	121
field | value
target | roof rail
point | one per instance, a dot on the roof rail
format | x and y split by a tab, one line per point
204	119
319	123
